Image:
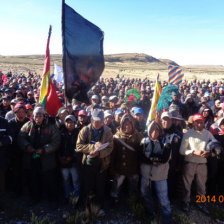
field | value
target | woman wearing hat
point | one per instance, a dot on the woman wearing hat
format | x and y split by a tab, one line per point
124	161
206	112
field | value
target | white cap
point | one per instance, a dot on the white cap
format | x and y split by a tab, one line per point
104	98
108	113
112	98
166	114
95	97
38	110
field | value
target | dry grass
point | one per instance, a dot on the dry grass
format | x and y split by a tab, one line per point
129	65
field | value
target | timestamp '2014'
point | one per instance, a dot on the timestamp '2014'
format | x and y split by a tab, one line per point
209	199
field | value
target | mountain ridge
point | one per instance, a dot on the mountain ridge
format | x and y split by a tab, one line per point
111	58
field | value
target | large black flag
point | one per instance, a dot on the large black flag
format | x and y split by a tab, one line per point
83	60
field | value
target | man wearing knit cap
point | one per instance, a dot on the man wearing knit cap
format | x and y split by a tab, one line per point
83	119
9	115
60	117
193	148
109	120
39	139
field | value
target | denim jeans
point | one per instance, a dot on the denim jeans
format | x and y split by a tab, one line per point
118	181
161	190
66	172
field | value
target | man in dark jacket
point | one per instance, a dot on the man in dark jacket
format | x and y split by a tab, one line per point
216	107
70	160
175	103
144	103
190	107
5	141
5	106
15	125
170	133
139	120
39	139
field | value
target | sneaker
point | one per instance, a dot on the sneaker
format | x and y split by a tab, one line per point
186	207
101	213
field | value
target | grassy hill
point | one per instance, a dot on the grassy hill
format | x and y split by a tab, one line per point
128	64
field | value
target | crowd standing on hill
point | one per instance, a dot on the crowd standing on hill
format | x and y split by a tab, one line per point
104	146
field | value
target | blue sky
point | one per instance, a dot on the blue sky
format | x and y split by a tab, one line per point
186	31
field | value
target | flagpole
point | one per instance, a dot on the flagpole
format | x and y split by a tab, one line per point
49	32
63	47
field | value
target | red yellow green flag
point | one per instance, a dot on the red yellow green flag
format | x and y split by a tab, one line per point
48	96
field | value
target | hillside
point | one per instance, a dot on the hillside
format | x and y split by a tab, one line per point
134	57
112	58
128	64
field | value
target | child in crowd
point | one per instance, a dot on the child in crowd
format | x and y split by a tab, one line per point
155	155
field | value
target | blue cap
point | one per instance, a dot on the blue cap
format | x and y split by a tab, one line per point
119	111
138	111
8	90
98	115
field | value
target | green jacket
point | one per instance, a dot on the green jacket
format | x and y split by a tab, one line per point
49	141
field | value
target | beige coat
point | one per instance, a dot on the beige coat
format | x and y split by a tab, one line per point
85	146
195	140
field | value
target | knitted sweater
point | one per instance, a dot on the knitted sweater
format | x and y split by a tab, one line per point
195	140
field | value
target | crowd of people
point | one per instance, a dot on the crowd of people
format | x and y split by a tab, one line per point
104	146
